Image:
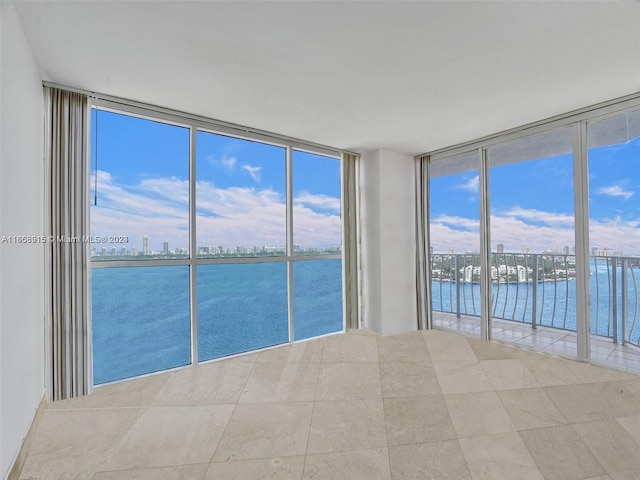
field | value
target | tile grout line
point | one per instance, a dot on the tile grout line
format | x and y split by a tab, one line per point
313	409
384	415
235	405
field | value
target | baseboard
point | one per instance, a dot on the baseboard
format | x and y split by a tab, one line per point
16	469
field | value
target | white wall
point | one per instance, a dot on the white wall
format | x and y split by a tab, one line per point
388	242
21	213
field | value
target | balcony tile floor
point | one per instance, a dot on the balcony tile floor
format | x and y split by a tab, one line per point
423	405
551	340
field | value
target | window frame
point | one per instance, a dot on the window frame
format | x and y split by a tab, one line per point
196	124
577	121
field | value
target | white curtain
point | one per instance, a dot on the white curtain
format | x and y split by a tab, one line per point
423	257
351	246
67	223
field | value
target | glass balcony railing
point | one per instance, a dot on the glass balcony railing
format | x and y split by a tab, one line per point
540	289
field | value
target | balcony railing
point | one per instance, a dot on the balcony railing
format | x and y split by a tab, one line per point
539	289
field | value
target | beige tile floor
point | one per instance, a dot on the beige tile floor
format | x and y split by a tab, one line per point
424	405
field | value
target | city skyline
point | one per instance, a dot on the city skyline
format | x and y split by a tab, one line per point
122	249
140	186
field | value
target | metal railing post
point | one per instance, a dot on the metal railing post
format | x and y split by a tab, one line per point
458	286
534	301
614	296
625	298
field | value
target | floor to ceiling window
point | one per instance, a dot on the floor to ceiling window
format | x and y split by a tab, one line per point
240	212
561	225
317	240
140	207
454	210
532	240
614	229
205	244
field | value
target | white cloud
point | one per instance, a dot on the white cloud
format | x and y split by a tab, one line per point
152	197
615	191
539	216
472	185
228	163
253	171
233	216
459	222
315	229
517	234
515	230
320	201
445	238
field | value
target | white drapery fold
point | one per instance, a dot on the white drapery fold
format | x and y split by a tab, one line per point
351	240
67	124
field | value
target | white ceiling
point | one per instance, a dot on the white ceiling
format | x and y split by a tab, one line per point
405	76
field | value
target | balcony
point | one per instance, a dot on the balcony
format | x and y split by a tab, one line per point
534	302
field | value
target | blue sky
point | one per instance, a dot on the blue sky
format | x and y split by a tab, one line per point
143	174
532	204
143	188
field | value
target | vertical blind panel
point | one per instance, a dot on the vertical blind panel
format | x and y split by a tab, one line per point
68	178
423	283
350	225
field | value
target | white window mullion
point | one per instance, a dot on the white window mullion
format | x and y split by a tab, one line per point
193	253
581	208
289	248
485	248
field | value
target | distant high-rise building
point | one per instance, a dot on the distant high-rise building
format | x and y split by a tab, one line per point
165	248
145	244
134	251
500	248
123	251
566	250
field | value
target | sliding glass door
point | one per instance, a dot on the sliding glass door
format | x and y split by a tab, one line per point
614	232
454	230
557	208
532	258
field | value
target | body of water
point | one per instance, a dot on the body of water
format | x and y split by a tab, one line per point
141	321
